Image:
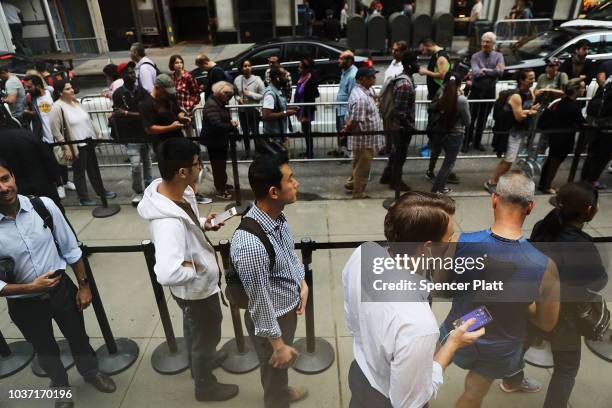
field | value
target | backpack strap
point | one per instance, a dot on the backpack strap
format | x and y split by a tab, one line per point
250	225
43	212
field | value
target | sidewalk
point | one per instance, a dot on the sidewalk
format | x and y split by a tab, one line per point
130	306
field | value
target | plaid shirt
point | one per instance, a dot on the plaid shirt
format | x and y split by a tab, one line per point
187	91
405	97
362	109
272	293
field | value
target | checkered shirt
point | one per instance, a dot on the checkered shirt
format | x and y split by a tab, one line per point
187	91
272	293
362	109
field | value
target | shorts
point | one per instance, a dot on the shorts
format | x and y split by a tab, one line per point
515	141
468	358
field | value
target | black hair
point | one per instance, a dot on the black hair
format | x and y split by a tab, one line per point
35	79
427	42
522	75
583	43
265	173
309	64
58	88
174	154
41	66
410	62
275	73
173	59
448	101
573	199
110	70
139	48
6	165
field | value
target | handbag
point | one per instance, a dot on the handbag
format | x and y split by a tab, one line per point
58	151
593	317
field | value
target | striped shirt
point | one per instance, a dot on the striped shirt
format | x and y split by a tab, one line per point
272	293
362	109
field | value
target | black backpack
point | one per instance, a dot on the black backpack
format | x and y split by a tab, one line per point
547	118
600	106
234	290
436	123
43	212
503	121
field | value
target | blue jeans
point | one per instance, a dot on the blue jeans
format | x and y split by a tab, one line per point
140	161
451	145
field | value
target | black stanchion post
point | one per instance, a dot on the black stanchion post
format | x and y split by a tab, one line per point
241	356
106	210
116	355
316	354
14	357
396	176
170	357
582	136
242	209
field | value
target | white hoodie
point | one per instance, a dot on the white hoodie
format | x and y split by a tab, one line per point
178	239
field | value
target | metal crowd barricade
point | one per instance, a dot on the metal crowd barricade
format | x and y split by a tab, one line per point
512	31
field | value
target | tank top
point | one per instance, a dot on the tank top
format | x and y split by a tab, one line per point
433	84
521	267
526	103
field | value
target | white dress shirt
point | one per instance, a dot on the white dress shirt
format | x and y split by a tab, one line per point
394	342
394	69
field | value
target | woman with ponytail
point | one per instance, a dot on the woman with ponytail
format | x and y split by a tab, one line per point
453	116
580	270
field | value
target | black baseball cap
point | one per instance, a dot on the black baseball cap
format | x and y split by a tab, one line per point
365	72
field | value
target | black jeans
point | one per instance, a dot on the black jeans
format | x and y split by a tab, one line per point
202	330
33	318
363	395
249	123
397	157
598	156
563	378
306	128
275	381
479	112
218	163
451	145
85	163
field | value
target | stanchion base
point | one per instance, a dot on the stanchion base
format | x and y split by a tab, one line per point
65	356
237	362
241	209
166	362
313	363
387	203
111	364
104	212
540	356
22	353
601	349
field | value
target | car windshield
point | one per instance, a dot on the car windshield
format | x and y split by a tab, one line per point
602	12
544	44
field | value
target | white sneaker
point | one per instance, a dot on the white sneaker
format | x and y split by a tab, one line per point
61	192
70	186
200	199
136	199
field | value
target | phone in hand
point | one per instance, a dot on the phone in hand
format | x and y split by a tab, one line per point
482	316
224	216
56	274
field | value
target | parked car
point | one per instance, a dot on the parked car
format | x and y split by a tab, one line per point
558	42
325	53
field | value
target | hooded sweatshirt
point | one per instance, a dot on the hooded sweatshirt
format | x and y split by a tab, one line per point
178	239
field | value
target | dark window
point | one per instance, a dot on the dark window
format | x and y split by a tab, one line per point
326	53
294	52
261	57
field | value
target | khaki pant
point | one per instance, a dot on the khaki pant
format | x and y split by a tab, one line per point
362	163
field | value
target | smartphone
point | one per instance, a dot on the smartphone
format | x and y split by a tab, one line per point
224	216
57	273
482	316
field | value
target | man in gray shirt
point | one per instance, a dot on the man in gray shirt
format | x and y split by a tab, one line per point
15	94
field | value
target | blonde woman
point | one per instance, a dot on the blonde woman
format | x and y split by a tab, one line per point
70	123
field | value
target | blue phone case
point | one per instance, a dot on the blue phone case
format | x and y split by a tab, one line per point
481	315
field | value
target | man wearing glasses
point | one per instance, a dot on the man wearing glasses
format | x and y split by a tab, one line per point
185	261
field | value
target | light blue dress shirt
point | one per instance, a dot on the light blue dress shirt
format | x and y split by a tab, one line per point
31	245
347	83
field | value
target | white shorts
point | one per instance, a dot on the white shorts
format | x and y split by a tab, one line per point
515	141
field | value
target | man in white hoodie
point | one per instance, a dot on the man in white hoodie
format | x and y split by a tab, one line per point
185	260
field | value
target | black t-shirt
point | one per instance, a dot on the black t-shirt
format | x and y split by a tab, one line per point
154	112
200	74
433	84
125	99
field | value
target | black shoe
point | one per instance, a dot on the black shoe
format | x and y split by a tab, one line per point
219	358
430	175
216	392
101	382
481	148
452	179
465	149
401	186
384	179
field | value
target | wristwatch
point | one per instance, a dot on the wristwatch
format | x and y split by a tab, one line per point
84	281
285	112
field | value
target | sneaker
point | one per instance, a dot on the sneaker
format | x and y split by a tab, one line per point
297	393
360	196
224	195
401	186
348	186
87	201
200	199
452	179
528	385
490	187
70	186
61	192
445	190
216	392
110	194
548	191
430	175
136	199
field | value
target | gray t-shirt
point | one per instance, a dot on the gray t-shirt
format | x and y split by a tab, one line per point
13	85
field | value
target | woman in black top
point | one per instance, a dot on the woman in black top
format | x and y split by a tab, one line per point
306	91
580	270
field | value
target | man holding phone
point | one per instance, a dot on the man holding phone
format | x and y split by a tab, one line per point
277	294
185	260
36	288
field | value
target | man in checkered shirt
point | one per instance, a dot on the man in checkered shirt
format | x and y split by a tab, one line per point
362	116
278	295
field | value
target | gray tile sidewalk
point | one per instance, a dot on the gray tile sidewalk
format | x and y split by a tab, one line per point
130	306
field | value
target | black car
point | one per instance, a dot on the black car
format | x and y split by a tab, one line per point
558	42
325	53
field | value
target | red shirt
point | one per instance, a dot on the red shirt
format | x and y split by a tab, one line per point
187	91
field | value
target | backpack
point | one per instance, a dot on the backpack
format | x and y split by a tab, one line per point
600	105
503	121
227	76
387	103
234	289
43	212
157	71
436	125
547	118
